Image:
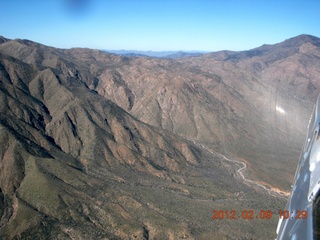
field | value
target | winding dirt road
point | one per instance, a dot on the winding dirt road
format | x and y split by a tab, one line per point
274	192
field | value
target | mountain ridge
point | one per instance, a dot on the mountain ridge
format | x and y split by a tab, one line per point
135	148
126	92
287	47
156	54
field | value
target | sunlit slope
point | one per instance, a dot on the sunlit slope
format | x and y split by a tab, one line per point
95	145
253	104
75	165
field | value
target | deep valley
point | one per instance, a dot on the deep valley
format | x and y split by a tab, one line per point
95	145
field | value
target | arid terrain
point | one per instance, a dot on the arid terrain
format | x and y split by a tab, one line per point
95	145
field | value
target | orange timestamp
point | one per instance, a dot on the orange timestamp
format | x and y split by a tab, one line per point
262	214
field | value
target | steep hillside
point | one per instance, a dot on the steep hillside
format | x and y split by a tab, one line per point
253	104
100	146
75	165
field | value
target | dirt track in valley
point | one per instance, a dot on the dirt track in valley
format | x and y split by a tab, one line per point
272	191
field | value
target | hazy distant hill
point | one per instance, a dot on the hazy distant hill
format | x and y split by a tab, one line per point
99	146
162	54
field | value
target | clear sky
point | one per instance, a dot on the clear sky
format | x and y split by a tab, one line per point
158	25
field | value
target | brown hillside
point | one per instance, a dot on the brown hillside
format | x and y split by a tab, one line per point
99	146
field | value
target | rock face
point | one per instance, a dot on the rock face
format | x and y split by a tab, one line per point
99	146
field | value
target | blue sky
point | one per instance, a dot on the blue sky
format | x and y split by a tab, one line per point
158	25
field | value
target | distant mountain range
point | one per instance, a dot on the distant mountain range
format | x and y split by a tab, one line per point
95	145
161	54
